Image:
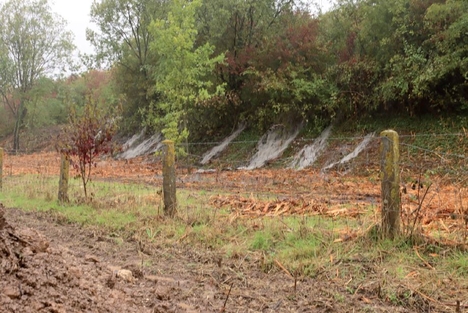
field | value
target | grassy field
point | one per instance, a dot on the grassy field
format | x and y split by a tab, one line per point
411	272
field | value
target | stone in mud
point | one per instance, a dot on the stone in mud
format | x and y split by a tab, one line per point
11	292
126	275
38	243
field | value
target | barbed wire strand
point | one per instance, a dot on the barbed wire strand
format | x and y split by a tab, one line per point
345	138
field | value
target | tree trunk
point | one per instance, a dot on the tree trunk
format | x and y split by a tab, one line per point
16	133
169	179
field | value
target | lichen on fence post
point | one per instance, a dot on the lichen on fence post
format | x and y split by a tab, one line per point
169	178
390	176
64	177
1	168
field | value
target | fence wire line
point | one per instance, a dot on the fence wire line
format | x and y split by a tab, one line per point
338	167
435	152
290	158
374	137
287	160
214	143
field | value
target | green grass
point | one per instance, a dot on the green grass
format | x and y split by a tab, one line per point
457	263
112	206
262	240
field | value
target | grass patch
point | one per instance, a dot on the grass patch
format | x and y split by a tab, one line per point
457	263
262	241
113	206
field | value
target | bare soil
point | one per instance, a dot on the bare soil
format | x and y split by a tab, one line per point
50	266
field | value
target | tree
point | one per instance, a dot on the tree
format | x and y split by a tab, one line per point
122	42
6	90
381	51
87	136
40	105
182	68
37	45
445	76
284	73
246	31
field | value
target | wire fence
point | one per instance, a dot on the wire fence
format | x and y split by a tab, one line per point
433	170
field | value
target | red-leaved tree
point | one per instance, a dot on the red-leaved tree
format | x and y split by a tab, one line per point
87	136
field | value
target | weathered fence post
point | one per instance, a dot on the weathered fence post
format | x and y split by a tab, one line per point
390	176
64	177
169	178
1	168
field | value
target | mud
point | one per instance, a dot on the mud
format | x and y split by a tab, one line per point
48	265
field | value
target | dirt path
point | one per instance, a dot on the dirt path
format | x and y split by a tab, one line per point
49	266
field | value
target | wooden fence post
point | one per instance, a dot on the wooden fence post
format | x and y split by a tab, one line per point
64	177
169	178
390	176
1	168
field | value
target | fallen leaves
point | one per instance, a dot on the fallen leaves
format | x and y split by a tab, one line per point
282	207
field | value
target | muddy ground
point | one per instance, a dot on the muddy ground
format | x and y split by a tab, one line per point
47	265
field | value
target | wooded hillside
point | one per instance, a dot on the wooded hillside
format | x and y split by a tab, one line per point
196	69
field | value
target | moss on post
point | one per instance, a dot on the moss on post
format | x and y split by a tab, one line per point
64	177
169	178
390	176
1	168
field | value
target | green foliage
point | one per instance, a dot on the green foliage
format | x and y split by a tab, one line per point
182	68
33	44
197	69
447	68
354	85
6	122
277	63
41	105
406	56
122	41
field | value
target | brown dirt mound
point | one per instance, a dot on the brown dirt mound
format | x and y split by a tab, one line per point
39	278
